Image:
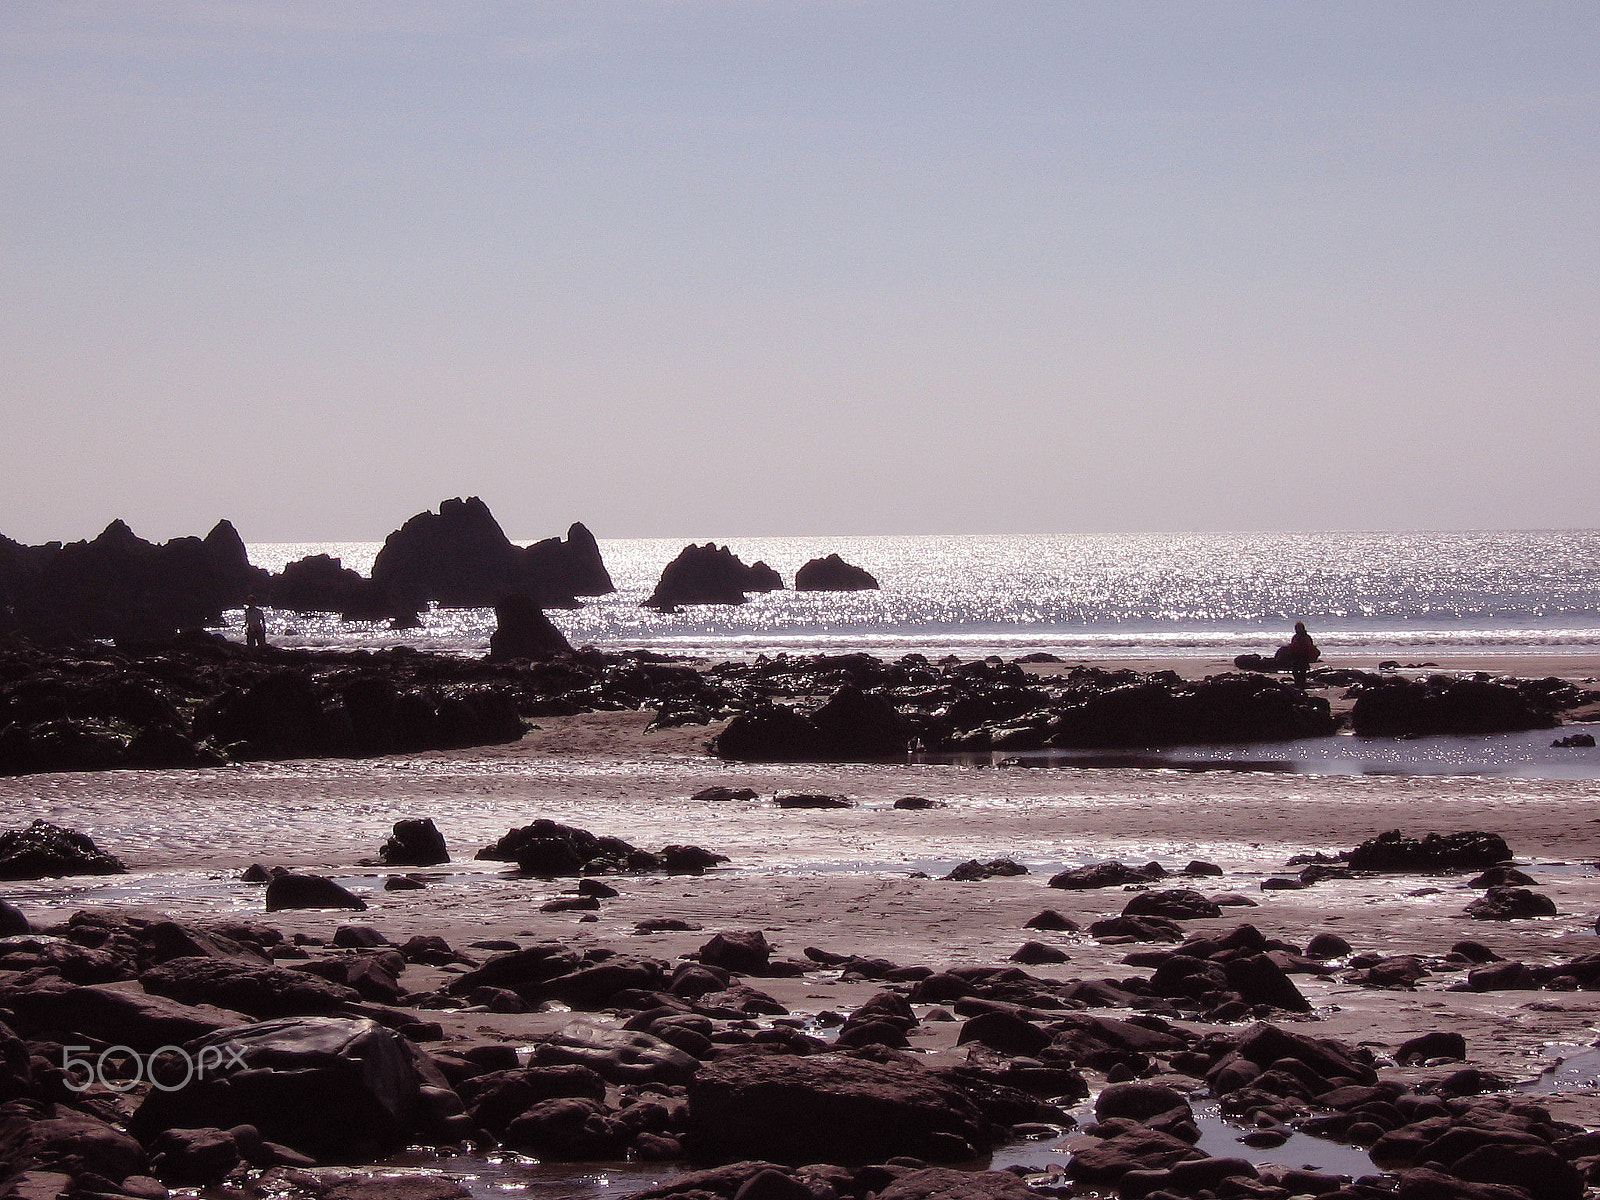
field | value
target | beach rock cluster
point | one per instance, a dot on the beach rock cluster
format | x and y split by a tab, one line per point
1389	706
198	700
333	1056
550	849
46	851
882	710
202	701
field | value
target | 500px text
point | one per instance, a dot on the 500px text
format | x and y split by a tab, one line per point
210	1059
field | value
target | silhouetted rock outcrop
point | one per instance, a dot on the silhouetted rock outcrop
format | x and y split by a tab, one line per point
1396	707
523	631
121	586
1470	850
321	583
46	851
710	574
461	558
851	725
833	574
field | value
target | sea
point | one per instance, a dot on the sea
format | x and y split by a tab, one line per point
1366	596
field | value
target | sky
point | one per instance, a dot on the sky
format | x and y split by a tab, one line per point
771	267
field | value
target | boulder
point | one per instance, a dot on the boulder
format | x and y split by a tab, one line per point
768	733
1139	1148
617	1055
115	1013
1174	904
1466	851
263	992
568	1130
1440	1044
46	851
12	920
973	871
550	848
1440	704
414	843
1511	904
336	1089
36	1135
833	574
812	800
1100	875
745	951
523	631
829	1108
719	793
853	725
309	891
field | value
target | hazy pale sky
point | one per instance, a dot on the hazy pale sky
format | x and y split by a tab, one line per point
692	267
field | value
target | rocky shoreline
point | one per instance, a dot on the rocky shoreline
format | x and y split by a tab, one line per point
334	1045
200	700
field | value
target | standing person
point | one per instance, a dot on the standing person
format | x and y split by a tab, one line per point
1301	653
255	624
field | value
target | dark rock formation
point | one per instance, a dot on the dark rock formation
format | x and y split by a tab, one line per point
1175	904
461	558
115	1013
973	871
414	843
1223	708
121	586
336	1089
851	726
523	631
291	714
262	991
1101	875
309	891
768	733
828	1107
1466	851
12	920
46	851
710	574
551	849
1440	704
832	574
321	583
1511	904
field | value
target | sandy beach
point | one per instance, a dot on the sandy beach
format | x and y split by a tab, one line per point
865	880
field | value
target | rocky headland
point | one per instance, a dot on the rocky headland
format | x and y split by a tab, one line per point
120	587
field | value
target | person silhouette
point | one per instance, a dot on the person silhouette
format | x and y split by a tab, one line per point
255	624
1301	652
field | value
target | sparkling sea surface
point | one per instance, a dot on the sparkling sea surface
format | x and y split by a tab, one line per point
1396	594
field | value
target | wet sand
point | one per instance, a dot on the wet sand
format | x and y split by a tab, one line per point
844	880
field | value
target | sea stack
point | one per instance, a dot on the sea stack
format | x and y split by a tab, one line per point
833	574
710	574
